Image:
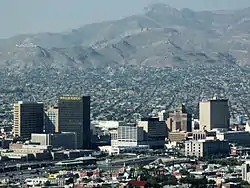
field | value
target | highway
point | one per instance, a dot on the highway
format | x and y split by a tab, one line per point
42	169
115	164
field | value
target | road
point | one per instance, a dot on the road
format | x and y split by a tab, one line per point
120	162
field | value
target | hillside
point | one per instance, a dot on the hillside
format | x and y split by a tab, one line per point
124	65
161	37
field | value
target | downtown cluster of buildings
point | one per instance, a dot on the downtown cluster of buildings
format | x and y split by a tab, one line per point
36	130
68	126
209	134
65	131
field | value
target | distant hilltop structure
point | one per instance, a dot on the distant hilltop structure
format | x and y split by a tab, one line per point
27	45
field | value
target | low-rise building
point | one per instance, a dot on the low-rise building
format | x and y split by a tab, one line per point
30	148
177	136
203	134
235	137
58	155
201	148
106	124
240	151
28	152
18	156
57	140
6	142
246	172
110	150
35	182
128	135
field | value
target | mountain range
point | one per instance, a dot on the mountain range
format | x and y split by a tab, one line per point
160	37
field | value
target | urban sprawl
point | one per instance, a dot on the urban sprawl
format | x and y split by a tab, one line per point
62	146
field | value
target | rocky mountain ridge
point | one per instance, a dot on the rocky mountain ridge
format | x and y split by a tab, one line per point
161	37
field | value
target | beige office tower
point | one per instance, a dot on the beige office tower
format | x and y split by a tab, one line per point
28	118
214	114
179	120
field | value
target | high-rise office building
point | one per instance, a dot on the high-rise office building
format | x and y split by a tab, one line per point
51	121
74	116
155	131
214	114
180	120
28	118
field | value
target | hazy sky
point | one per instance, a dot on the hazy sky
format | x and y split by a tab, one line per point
31	16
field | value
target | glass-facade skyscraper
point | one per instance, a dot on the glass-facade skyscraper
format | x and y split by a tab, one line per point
28	118
74	116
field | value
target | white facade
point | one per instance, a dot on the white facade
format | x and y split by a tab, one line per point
161	115
110	150
130	133
247	126
127	136
113	137
106	124
35	181
246	172
43	139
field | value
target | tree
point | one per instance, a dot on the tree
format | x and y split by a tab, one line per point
76	176
225	162
170	180
132	173
47	183
194	182
245	186
106	186
154	182
211	182
244	182
184	172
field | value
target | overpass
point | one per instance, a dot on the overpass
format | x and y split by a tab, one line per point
170	161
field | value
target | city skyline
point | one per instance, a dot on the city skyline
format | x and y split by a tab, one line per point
152	93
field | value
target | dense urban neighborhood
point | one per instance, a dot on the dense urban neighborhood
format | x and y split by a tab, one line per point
124	93
158	99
